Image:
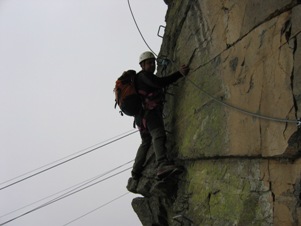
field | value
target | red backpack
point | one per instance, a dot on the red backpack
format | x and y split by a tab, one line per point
126	96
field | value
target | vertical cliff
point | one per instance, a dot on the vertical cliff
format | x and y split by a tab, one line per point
233	122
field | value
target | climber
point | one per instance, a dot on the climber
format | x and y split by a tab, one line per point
150	120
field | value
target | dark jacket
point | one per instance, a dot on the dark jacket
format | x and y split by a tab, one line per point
150	87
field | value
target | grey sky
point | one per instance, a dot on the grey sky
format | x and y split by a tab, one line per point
59	60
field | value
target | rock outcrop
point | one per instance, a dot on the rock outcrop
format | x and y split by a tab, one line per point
233	121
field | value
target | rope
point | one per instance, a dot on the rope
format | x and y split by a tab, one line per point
298	122
139	29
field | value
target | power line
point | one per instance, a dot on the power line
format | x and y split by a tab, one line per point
63	196
64	158
72	187
65	161
81	189
113	200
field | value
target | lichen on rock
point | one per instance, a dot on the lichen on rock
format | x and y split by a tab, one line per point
232	121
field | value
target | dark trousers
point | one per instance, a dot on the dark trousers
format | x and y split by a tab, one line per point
152	131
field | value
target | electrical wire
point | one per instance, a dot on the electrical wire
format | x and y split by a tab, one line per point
65	161
58	164
41	167
63	196
83	188
74	187
113	200
63	158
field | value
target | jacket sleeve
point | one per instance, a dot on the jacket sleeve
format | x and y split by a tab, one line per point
160	82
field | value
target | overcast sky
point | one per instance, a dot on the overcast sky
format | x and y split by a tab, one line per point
59	60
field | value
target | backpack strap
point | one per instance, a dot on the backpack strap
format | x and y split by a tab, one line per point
150	100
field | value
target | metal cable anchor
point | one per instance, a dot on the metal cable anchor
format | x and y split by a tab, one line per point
299	123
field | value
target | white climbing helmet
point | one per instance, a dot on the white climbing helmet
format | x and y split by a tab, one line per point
146	55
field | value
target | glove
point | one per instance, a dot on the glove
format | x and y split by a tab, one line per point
184	70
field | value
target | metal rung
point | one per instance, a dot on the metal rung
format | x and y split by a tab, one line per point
161	26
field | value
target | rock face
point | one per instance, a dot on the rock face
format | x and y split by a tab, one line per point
233	121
